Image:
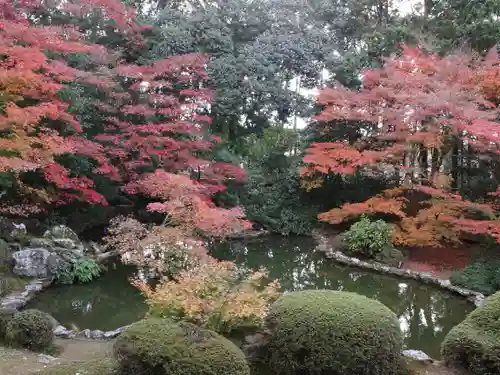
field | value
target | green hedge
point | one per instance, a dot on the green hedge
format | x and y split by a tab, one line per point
334	333
483	277
161	347
475	343
31	329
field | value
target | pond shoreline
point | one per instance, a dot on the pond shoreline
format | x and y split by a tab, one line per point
324	247
317	244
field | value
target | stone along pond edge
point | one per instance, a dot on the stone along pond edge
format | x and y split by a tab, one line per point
425	277
18	300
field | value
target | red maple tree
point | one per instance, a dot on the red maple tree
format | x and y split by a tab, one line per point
153	123
157	136
412	112
34	120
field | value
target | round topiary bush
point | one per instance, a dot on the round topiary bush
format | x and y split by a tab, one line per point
30	329
162	347
475	343
324	332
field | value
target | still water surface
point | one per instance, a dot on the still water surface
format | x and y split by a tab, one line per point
425	313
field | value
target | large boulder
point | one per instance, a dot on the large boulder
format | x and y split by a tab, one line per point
42	263
45	256
32	262
334	333
162	347
63	237
474	344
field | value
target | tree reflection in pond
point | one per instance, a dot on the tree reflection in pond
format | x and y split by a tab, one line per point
426	313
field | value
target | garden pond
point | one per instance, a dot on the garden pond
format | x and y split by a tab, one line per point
425	313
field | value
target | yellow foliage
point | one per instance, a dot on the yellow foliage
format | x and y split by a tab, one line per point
216	295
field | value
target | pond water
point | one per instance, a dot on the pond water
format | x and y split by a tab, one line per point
108	303
425	313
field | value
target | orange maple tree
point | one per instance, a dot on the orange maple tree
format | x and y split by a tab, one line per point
414	110
36	125
150	116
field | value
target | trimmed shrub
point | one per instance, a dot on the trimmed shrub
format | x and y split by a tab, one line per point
483	277
5	317
30	329
162	347
329	332
371	239
475	343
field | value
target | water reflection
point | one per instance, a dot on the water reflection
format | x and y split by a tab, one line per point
426	314
107	303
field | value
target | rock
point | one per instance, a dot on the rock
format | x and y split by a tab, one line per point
62	332
116	332
254	339
19	232
85	333
15	230
417	355
42	263
96	334
61	231
46	359
31	262
93	248
41	242
63	237
253	344
55	263
444	283
477	300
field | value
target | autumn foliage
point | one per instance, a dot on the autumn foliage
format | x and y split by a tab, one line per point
150	135
216	295
413	113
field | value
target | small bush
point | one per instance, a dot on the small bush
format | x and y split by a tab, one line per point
30	329
162	347
475	343
81	270
218	296
330	332
162	250
368	238
482	277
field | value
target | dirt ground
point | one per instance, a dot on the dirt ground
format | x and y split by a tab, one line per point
90	353
21	362
437	368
